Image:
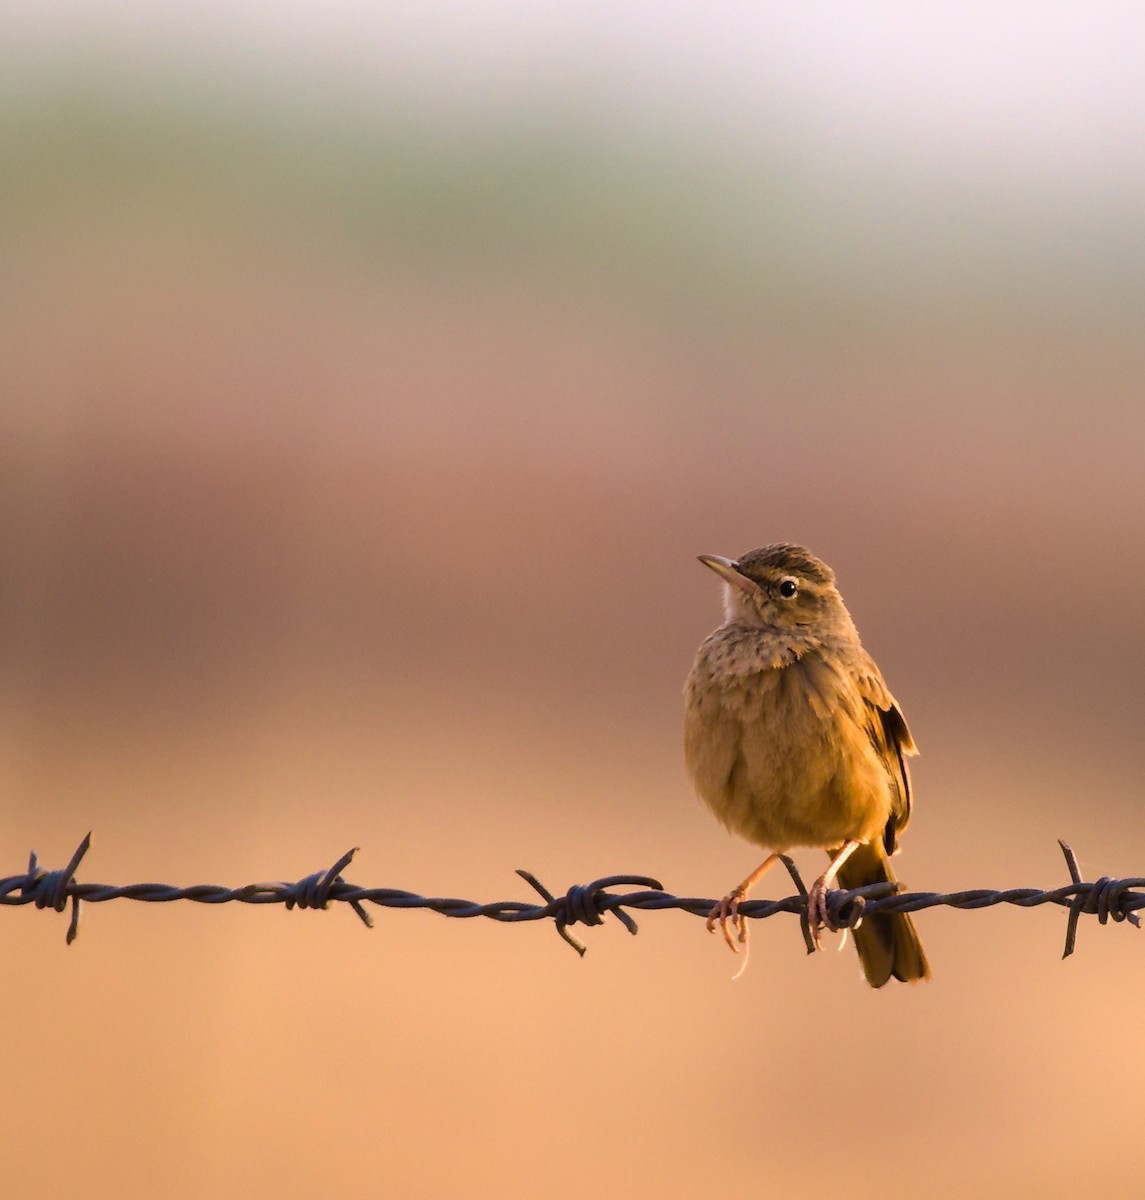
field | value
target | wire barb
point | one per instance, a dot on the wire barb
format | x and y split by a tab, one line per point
804	916
313	891
1108	899
588	904
52	889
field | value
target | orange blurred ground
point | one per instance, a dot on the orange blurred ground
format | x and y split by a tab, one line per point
297	557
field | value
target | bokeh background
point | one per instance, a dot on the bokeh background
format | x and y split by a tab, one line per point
370	377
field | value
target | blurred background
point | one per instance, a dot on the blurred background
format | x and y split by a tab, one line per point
370	377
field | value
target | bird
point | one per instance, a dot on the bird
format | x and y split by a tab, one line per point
792	739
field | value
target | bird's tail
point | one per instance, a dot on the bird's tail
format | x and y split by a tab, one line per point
887	942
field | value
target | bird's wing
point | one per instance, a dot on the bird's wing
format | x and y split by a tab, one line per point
891	738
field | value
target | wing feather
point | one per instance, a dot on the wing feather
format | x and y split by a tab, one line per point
892	740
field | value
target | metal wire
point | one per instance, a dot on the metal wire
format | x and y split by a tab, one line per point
1107	899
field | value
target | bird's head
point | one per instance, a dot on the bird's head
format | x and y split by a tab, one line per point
782	586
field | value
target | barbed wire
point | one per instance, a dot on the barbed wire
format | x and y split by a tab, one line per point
584	904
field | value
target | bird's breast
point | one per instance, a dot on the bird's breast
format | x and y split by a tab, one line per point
781	754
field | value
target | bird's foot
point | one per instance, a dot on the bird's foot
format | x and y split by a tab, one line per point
818	918
727	912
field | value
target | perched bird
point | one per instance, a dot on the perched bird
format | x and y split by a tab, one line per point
792	739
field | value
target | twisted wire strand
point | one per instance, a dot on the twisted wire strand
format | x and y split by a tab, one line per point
587	904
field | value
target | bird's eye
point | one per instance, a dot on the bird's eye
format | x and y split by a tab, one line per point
788	588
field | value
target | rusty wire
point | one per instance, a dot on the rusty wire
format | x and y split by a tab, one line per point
1107	899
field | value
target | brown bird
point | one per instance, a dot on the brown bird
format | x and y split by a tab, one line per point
792	739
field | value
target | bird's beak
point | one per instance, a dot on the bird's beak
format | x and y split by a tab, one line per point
728	570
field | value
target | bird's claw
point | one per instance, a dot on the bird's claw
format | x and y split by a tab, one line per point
728	911
818	916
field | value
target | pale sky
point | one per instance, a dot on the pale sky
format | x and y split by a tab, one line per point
1048	88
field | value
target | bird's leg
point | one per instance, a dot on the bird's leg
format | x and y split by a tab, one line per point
817	916
728	909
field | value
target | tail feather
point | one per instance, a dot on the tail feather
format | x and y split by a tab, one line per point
887	943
